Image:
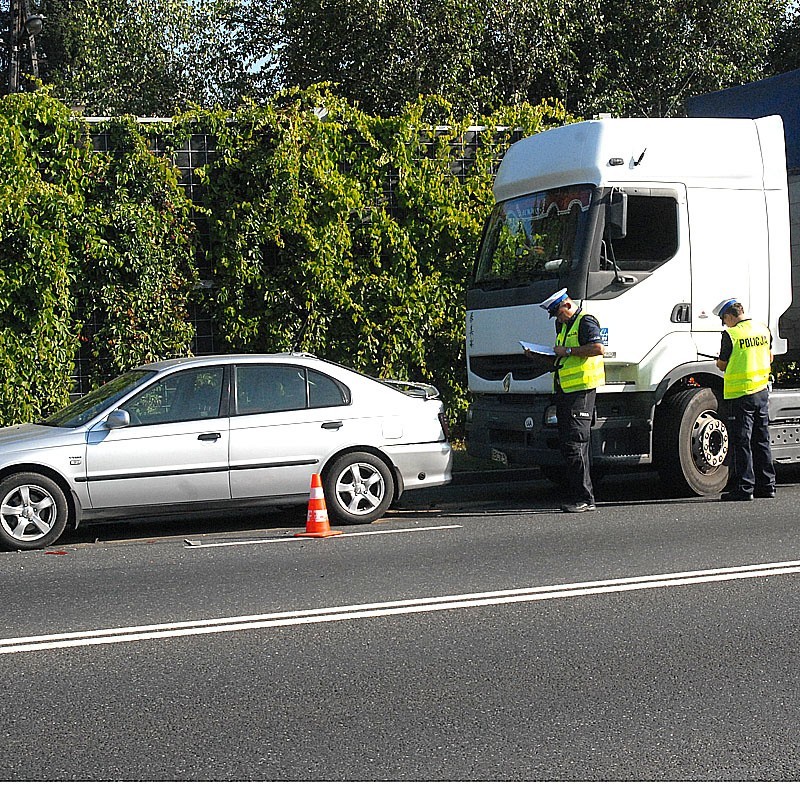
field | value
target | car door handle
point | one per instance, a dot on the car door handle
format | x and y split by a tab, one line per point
332	426
209	437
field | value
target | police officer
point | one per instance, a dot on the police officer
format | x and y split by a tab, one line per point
745	357
578	372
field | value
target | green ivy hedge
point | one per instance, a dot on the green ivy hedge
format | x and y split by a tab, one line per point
315	212
84	238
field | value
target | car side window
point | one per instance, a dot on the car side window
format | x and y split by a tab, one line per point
324	391
263	388
183	396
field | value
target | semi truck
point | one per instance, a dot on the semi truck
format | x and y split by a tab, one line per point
649	224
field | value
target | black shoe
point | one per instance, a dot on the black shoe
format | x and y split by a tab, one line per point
726	496
576	508
766	493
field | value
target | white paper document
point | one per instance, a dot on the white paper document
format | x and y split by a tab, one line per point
541	349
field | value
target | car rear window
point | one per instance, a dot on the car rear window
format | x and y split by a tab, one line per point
265	388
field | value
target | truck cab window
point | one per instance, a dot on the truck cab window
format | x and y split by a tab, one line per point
652	235
651	240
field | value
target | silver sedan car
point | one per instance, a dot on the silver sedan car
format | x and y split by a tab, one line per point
221	431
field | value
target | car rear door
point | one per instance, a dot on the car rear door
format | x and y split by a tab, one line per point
286	422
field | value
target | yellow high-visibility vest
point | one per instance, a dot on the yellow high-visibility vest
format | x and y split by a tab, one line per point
575	372
748	367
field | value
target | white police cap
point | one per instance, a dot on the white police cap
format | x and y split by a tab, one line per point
722	307
554	301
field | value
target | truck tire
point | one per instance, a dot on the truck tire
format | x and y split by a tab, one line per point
690	442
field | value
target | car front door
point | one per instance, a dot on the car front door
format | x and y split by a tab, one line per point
173	452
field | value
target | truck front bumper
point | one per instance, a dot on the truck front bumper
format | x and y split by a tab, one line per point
520	430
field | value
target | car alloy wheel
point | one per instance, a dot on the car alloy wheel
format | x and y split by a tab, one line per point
359	487
33	511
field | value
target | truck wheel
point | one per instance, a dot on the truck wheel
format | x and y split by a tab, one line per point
33	511
691	442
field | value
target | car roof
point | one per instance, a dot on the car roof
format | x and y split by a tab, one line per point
297	358
199	361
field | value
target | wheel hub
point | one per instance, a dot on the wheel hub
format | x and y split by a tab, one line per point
710	443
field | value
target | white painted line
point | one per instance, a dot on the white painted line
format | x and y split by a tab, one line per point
391	608
194	544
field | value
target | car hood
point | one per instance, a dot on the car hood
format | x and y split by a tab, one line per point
33	437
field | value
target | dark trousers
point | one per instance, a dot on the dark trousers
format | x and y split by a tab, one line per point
752	456
575	411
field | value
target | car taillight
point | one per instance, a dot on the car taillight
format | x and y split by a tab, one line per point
445	425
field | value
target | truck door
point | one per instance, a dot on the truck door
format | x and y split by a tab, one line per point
729	258
644	279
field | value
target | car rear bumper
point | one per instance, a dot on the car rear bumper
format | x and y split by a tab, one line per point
421	465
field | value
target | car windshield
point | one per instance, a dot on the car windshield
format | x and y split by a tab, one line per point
98	400
534	238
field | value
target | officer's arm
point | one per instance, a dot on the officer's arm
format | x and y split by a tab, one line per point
589	350
725	350
589	329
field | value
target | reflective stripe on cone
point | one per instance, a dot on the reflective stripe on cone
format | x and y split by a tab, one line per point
317	524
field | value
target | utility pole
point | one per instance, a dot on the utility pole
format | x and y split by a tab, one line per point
14	43
21	28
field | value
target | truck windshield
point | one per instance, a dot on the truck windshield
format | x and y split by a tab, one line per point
536	237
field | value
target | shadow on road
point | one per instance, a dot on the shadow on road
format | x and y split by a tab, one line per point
535	495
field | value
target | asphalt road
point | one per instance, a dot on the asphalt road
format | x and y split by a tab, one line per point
473	634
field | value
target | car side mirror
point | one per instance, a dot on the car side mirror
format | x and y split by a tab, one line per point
118	419
617	214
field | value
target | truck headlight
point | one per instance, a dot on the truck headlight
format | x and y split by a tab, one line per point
550	416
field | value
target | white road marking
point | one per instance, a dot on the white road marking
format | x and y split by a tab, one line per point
194	544
392	608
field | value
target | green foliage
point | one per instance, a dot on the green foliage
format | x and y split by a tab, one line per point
38	201
645	57
628	57
383	53
150	57
785	54
136	267
358	224
84	237
786	372
302	227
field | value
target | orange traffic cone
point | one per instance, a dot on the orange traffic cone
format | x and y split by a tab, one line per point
317	524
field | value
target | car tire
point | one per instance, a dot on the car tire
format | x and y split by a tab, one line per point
33	511
359	488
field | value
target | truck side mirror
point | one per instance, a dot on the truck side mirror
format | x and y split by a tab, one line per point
617	214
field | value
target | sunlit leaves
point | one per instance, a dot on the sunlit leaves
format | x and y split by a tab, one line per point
355	222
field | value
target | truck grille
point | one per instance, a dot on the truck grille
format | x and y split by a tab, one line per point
495	368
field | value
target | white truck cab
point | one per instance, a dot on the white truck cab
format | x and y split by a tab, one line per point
648	223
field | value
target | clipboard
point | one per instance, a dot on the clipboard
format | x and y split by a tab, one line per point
539	349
